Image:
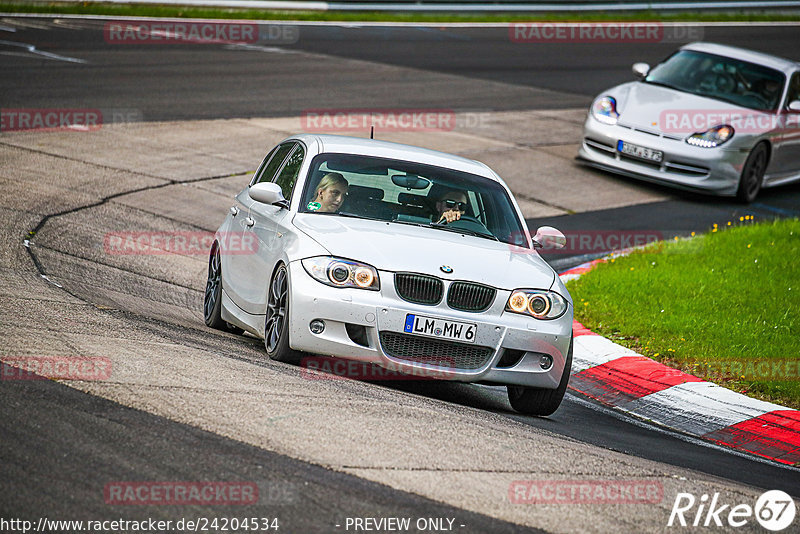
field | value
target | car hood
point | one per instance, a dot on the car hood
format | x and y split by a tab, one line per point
400	247
671	112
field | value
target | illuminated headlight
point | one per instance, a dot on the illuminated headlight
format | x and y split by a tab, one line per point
539	304
337	272
604	109
711	138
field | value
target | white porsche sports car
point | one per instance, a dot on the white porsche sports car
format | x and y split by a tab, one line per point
709	118
407	258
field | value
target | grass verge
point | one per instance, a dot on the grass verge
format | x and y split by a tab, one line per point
150	10
724	306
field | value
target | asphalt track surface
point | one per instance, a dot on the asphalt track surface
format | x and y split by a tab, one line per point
191	82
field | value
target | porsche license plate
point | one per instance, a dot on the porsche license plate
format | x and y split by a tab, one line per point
440	328
640	152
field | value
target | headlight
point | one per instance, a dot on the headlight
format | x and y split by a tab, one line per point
539	304
711	138
604	109
338	272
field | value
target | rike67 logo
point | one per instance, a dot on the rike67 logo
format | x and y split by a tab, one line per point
774	510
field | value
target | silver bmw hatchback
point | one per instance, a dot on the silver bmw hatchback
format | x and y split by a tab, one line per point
398	256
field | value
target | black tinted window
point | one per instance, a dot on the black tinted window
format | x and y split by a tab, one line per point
288	175
275	163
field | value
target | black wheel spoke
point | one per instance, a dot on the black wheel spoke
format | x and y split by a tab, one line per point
213	288
276	311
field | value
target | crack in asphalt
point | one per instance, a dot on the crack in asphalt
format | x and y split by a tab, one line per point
530	198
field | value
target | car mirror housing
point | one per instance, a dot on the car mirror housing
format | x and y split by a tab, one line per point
794	105
640	70
268	193
547	236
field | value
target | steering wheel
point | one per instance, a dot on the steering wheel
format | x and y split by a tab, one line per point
722	82
467	222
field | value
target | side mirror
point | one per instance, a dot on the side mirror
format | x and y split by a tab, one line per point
268	193
794	105
547	236
640	70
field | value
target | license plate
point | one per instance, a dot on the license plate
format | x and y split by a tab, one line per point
640	151
441	328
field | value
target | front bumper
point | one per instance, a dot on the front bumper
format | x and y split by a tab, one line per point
500	333
709	170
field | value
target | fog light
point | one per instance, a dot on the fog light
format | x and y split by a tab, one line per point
546	362
317	326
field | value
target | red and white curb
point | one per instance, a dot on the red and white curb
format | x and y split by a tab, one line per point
619	377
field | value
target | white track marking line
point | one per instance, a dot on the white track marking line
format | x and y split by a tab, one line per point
49	55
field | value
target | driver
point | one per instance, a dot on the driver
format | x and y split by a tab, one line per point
450	206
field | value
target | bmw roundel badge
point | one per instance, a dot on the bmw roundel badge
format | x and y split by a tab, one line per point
446	269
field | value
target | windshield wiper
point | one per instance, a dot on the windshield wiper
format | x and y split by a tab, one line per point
463	231
668	86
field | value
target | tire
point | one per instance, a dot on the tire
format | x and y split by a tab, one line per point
752	174
540	401
212	300
276	325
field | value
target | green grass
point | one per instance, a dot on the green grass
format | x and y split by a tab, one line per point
729	297
149	10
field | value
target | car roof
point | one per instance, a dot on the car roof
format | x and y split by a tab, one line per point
775	62
386	149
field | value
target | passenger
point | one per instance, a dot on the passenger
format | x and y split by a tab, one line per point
330	193
450	206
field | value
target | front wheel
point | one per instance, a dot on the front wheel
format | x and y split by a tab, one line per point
276	328
540	401
212	300
752	174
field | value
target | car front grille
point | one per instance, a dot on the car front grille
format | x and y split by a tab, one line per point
470	297
418	288
448	354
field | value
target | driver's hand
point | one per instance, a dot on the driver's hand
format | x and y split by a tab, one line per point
450	216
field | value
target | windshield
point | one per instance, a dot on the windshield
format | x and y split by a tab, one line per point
731	80
404	192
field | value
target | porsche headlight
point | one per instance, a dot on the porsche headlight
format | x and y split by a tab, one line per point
537	303
339	272
604	109
711	138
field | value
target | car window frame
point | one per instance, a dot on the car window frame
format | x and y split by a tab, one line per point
298	145
787	100
264	165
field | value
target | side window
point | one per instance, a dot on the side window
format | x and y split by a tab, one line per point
288	175
264	162
794	89
274	164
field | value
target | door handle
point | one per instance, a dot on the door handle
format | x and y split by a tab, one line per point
234	211
249	222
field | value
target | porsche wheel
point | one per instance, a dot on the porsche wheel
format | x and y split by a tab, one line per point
752	174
